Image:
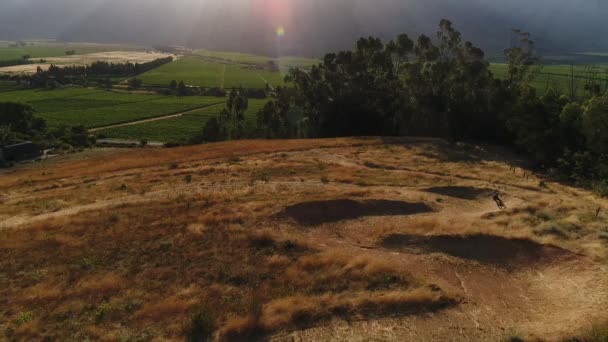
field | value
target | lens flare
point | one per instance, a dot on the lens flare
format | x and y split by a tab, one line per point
280	31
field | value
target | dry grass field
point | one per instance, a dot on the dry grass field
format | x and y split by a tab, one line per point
315	240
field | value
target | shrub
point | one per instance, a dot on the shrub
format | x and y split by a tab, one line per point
101	312
235	160
559	229
201	327
604	235
114	218
24	317
263	176
514	339
597	333
545	215
172	144
89	263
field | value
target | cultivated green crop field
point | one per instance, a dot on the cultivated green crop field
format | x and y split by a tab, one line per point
52	50
594	54
7	86
225	70
245	58
238	57
97	108
196	71
559	77
176	129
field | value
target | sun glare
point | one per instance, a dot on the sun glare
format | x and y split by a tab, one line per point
278	13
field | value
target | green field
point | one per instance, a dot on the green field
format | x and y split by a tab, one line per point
196	71
7	86
54	49
225	70
176	129
246	58
97	108
285	63
239	57
560	77
594	54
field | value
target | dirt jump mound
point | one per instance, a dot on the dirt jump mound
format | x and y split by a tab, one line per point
489	249
319	212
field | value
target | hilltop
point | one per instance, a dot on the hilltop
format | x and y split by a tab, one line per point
336	239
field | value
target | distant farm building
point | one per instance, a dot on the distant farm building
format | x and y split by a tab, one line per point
20	151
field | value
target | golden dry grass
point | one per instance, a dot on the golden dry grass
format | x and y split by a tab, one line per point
298	312
116	244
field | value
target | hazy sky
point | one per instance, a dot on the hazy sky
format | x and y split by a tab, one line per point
311	26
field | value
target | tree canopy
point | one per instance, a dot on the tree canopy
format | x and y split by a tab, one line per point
443	87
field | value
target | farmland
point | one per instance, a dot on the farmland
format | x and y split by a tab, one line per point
284	63
561	77
7	86
84	59
200	72
51	49
237	57
225	70
176	129
95	107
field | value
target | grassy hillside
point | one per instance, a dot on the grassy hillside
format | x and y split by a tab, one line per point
313	240
95	107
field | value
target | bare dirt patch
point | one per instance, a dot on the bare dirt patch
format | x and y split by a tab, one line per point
318	212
